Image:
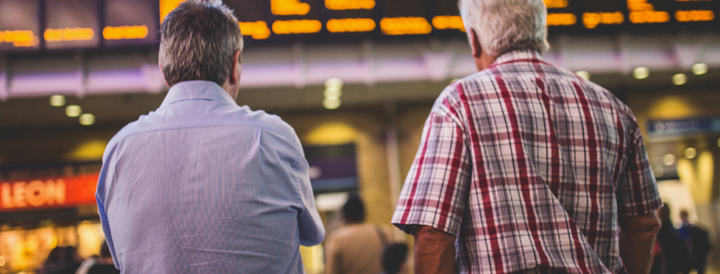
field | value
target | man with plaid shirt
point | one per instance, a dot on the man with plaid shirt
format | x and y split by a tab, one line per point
525	167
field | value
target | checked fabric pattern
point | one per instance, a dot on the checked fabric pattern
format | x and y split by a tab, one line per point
530	167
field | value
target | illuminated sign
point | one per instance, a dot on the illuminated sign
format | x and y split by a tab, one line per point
405	26
592	19
296	26
351	25
125	32
19	38
166	6
48	193
556	4
694	15
642	12
350	4
257	30
561	19
72	24
130	23
76	24
69	34
19	25
448	22
289	7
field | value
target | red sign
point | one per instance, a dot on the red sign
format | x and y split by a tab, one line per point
48	193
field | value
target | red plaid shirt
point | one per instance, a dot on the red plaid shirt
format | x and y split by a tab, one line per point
529	166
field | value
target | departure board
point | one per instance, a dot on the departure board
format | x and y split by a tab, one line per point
19	27
27	25
130	23
71	24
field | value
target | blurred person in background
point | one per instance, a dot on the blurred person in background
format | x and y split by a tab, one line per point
674	254
394	258
86	264
202	185
104	264
697	241
356	246
61	260
527	167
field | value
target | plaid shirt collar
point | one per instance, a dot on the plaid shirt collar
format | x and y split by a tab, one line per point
516	56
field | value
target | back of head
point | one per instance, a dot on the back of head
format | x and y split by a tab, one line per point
354	210
199	39
393	257
506	25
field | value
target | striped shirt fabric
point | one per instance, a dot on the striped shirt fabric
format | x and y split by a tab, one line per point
530	167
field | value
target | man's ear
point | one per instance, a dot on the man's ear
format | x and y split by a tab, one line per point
475	44
234	70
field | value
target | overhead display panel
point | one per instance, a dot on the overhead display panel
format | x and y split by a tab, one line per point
446	16
130	23
82	24
19	25
71	24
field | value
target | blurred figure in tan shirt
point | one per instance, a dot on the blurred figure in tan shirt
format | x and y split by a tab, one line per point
356	246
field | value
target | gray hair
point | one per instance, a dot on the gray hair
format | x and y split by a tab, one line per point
506	25
199	39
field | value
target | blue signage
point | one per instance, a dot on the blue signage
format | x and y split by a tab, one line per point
698	126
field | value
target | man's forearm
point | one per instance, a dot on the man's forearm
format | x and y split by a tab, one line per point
637	242
434	251
637	252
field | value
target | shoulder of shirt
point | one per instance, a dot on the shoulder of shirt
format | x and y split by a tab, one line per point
241	117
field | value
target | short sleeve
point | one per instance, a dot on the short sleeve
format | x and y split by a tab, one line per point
637	193
436	187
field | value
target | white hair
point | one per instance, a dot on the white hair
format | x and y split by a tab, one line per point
506	25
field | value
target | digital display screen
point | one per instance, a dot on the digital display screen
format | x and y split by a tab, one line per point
130	23
70	24
19	25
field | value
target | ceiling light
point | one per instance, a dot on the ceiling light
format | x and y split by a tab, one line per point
700	68
641	73
690	153
334	83
333	93
583	74
679	79
669	160
87	119
57	100
73	111
331	103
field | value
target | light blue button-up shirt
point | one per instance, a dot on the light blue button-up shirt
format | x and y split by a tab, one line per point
202	185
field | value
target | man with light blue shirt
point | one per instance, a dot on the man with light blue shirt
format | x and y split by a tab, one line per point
202	185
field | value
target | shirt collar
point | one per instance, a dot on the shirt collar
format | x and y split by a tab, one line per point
515	56
197	90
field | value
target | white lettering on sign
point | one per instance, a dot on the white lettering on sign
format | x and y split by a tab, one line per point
34	194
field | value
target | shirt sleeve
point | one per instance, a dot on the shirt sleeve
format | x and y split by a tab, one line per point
107	173
436	188
637	193
312	230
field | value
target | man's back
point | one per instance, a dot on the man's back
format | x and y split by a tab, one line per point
204	186
529	166
355	249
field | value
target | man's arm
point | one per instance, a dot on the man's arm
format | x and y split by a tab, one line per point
637	241
434	251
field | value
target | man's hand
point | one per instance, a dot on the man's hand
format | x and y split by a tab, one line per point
434	251
637	241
